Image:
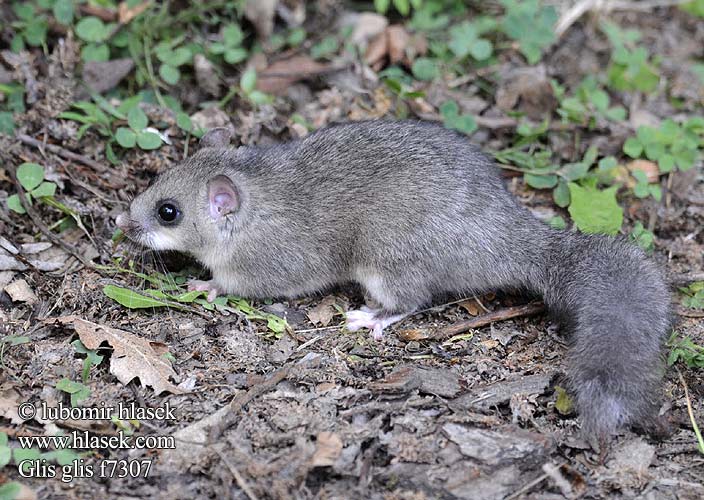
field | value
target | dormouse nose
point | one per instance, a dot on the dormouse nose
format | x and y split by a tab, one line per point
123	221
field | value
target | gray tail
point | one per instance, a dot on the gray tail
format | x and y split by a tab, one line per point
616	307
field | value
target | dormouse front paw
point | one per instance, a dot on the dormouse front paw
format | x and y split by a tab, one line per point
372	319
205	286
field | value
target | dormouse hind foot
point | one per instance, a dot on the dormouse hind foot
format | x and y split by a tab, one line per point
205	286
373	319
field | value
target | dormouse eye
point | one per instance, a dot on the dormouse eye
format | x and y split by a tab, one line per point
168	213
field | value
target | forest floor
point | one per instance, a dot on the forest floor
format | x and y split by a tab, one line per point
302	408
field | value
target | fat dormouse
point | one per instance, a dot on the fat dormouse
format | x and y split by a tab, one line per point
409	211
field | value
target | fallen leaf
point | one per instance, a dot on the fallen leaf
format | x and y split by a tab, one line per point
398	40
125	13
280	75
328	449
261	14
471	306
132	357
649	168
377	49
101	76
9	401
206	76
527	89
367	26
323	313
212	117
19	291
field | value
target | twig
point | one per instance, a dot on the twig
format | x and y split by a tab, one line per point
40	225
535	482
236	474
580	8
500	315
685	278
681	311
695	427
236	405
69	155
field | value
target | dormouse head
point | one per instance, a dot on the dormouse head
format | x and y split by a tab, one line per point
191	206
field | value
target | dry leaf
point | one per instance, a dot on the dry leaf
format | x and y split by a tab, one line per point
9	401
377	49
368	26
649	168
280	75
206	75
470	306
328	449
261	14
323	313
132	357
19	291
398	39
125	14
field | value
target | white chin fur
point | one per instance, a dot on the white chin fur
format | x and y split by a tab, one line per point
160	241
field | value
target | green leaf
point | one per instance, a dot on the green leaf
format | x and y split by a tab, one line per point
179	57
654	151
91	29
325	48
403	7
130	299
44	189
5	454
425	69
248	81
563	404
258	97
148	140
561	194
14	204
557	222
183	121
481	49
633	147
35	31
382	6
126	137
666	163
7	123
232	35
595	211
235	55
30	175
10	490
136	119
63	11
541	181
607	163
169	74
78	391
575	171
93	52
462	38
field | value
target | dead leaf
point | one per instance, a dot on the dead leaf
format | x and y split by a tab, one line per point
19	291
377	50
367	26
261	14
132	357
398	40
101	76
471	306
212	117
529	90
323	313
328	449
277	77
125	13
406	378
649	168
9	401
206	76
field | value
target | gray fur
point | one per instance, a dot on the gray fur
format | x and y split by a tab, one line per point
411	211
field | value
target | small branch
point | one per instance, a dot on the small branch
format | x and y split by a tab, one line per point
580	8
40	225
236	474
237	404
695	427
500	315
64	153
685	278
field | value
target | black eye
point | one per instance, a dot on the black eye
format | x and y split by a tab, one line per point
168	213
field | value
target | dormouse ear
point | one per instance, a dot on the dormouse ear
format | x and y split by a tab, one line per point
223	198
216	138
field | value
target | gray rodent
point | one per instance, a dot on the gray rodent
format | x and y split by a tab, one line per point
410	210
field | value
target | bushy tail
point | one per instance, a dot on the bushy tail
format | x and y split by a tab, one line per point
616	306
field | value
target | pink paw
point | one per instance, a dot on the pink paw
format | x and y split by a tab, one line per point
367	318
205	286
